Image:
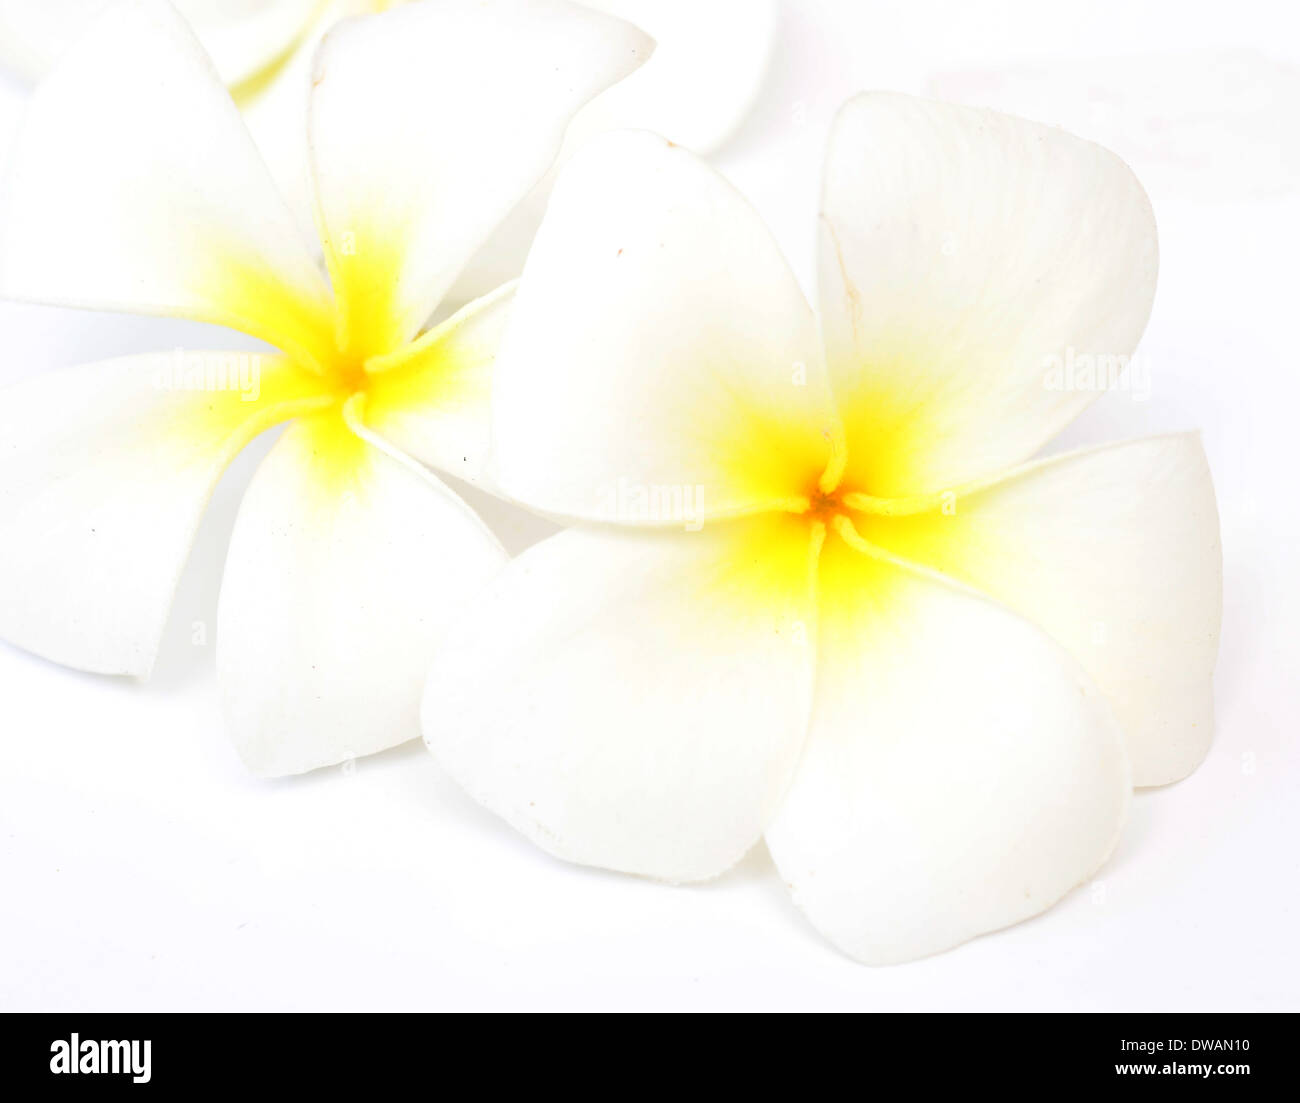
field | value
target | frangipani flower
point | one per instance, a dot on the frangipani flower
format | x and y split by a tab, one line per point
817	595
699	86
137	188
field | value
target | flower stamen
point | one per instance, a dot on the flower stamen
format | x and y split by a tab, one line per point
897	507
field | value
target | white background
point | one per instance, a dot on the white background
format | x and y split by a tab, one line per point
141	867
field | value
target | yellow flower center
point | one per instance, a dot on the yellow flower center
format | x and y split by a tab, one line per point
346	375
843	541
850	513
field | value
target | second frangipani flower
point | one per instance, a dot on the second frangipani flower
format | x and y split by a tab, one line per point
135	187
816	594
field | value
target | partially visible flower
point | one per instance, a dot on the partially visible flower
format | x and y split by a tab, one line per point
136	187
699	86
816	593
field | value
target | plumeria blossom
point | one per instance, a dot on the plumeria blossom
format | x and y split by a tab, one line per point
818	592
697	89
136	187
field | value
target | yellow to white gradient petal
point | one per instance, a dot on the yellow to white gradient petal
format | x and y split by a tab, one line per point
1115	552
634	699
105	471
659	341
406	186
320	660
135	187
962	252
961	773
433	397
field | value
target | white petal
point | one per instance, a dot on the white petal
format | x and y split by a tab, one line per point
633	700
33	33
243	39
429	123
246	40
1115	552
500	259
708	67
135	187
658	339
962	251
345	566
433	398
105	471
961	774
275	109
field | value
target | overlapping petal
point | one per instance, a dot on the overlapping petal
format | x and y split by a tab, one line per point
135	187
242	39
105	471
246	41
275	105
658	340
964	255
1115	552
706	72
433	398
408	183
635	700
346	565
707	68
961	773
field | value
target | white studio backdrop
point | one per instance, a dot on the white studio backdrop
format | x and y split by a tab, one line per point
145	869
